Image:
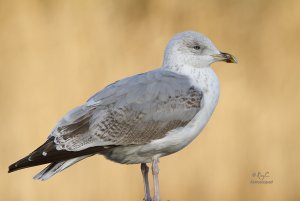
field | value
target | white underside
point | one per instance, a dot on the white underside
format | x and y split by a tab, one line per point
206	80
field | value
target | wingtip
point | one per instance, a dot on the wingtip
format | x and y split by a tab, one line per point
12	168
20	164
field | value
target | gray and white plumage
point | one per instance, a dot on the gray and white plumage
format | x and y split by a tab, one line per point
132	111
142	117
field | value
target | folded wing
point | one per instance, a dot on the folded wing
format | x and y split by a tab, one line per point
135	110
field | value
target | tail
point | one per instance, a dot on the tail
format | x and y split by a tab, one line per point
57	167
58	159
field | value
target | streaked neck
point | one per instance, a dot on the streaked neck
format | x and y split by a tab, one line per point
187	70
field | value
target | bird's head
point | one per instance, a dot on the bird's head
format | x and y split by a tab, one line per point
194	49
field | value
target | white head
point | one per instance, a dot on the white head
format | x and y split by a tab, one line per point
193	49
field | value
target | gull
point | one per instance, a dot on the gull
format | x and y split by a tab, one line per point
139	119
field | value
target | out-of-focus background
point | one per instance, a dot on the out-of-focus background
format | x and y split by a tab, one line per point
55	54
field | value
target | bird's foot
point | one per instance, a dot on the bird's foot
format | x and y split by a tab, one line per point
156	198
147	198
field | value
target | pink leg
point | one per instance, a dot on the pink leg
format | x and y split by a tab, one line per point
145	171
155	171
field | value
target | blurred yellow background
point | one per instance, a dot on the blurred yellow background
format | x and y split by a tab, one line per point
55	54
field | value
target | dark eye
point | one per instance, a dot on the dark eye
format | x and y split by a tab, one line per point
196	47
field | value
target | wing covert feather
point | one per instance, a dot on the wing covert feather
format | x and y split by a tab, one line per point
134	110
